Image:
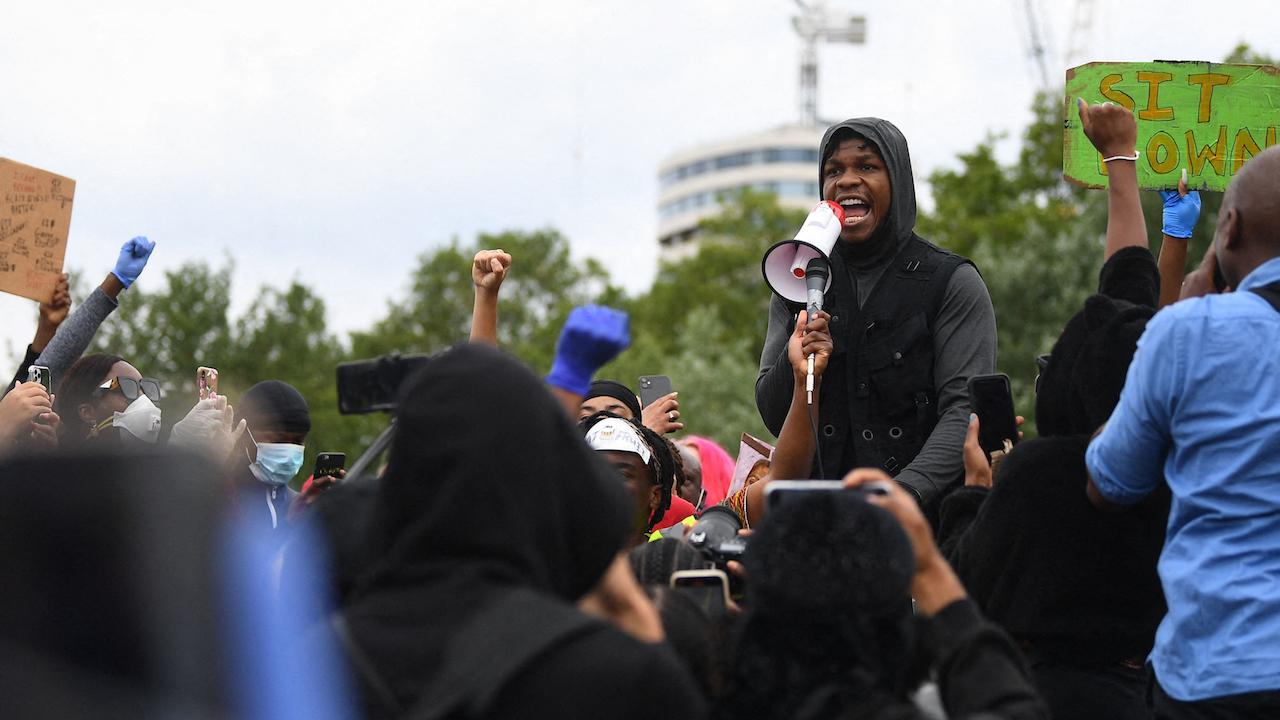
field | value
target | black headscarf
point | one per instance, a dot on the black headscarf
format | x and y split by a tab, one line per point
901	221
489	489
1081	384
486	472
617	391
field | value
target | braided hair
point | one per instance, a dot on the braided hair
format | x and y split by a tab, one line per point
662	462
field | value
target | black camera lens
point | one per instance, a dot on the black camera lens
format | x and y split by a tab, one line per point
717	526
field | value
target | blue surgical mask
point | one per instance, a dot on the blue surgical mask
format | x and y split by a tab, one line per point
277	463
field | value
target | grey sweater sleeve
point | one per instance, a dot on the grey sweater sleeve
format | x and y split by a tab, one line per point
774	383
964	345
74	335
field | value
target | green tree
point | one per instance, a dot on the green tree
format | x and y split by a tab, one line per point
544	285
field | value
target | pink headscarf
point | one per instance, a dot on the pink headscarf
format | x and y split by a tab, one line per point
717	469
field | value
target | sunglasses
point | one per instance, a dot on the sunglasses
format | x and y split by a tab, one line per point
130	388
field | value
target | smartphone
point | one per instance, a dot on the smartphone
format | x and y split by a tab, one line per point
40	374
329	464
780	492
653	387
992	400
709	589
207	381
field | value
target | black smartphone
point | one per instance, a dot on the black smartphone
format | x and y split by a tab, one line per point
992	399
709	589
653	387
329	464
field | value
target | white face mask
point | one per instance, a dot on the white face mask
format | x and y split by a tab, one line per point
141	419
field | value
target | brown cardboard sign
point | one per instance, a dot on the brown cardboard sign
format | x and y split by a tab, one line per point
35	217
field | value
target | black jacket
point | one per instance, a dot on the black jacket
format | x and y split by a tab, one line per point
490	493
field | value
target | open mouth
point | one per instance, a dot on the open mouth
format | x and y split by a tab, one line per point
855	210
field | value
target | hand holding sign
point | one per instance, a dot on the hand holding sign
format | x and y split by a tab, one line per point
133	258
1110	127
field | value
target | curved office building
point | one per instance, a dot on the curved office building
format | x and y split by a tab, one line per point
692	184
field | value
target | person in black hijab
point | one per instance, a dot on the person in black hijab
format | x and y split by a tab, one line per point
910	322
484	541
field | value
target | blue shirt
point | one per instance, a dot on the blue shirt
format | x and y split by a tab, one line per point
1201	410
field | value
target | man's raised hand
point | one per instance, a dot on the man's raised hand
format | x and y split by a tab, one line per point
1111	128
489	269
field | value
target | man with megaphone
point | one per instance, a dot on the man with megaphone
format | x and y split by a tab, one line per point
910	322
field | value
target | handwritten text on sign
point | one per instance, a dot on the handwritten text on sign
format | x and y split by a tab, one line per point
1206	117
35	216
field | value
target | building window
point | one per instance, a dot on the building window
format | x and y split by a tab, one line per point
761	156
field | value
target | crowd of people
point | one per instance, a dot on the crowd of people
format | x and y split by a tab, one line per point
552	546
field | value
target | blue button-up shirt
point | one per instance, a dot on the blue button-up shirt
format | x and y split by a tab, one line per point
1201	410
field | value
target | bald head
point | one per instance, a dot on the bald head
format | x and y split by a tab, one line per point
1248	232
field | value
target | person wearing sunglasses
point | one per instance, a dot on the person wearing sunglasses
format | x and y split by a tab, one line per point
104	399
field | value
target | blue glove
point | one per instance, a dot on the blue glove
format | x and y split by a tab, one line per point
592	336
1180	213
133	257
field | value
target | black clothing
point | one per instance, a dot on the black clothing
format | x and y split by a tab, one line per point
1245	706
879	404
909	322
462	520
1076	585
1081	384
27	361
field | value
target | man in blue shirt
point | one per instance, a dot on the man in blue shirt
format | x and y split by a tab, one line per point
1201	410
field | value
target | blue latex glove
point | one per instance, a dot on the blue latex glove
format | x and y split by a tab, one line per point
1180	213
133	258
592	336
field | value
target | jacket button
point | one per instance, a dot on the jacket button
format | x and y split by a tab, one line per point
828	430
895	432
868	435
835	318
862	387
897	356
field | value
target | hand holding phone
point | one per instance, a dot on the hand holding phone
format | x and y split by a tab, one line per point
329	464
992	401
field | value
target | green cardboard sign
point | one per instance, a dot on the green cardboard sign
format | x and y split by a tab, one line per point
1209	118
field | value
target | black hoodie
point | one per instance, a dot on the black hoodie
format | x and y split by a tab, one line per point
963	330
490	490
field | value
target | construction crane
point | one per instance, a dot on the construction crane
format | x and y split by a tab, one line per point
816	24
1038	38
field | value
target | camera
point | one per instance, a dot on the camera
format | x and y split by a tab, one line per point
366	386
716	535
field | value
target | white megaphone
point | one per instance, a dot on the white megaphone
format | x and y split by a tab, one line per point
784	264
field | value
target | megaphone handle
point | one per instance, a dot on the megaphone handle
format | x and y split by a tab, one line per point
808	381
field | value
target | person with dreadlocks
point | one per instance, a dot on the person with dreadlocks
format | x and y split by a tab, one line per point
643	458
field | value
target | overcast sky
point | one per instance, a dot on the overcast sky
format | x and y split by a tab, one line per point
334	143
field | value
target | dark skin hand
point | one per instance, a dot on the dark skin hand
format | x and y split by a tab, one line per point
1199	282
52	314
